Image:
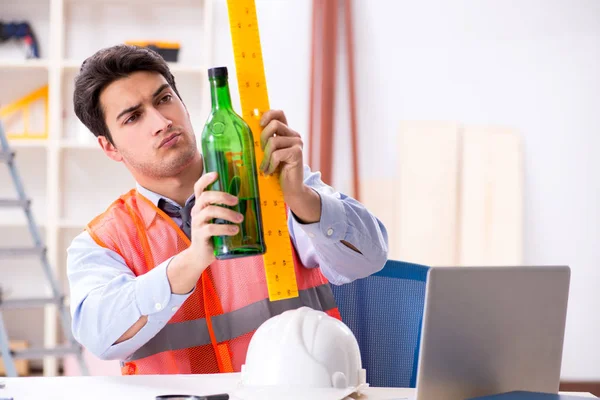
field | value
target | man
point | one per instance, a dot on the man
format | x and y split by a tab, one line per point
145	287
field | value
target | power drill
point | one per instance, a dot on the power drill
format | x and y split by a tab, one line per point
23	31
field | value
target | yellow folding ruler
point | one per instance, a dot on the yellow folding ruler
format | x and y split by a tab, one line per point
278	260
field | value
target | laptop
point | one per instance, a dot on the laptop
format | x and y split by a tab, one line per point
489	330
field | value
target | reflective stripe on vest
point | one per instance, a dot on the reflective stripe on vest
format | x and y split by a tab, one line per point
175	336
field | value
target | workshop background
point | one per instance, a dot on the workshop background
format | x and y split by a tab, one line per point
471	128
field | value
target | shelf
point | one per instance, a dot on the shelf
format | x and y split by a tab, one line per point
71	65
28	143
4	224
76	145
16	64
63	224
176	68
67	176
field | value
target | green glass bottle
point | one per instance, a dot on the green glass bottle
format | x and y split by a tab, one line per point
228	148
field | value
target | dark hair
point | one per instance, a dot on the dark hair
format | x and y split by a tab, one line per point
103	68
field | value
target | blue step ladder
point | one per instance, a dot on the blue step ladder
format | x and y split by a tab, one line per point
38	250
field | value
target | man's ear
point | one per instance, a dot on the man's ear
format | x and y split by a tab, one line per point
109	149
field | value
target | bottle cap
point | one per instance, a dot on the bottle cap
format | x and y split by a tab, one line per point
217	72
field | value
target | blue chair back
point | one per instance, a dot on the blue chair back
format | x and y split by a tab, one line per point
385	313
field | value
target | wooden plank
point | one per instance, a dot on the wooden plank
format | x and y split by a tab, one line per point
427	192
491	205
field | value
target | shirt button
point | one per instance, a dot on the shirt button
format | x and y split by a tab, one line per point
312	235
329	232
158	306
174	308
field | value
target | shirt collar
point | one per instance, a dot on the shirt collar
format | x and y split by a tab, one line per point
154	198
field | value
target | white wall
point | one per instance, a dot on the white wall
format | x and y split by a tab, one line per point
535	67
532	65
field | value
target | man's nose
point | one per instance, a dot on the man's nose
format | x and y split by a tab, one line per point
160	123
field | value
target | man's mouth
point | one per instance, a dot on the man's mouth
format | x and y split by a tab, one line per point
169	139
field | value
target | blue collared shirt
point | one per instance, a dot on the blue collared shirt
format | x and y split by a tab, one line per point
107	298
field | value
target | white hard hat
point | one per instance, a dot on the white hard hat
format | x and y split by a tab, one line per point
303	352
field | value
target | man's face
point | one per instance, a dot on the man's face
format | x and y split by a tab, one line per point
149	124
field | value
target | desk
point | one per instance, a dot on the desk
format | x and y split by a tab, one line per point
145	387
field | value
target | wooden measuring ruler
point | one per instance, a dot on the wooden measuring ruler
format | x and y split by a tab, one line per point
252	85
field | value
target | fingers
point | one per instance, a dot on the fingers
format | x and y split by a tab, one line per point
210	230
201	222
202	183
209	206
277	144
278	128
209	197
271	115
290	155
209	213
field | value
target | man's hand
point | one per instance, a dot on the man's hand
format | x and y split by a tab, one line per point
283	153
205	210
186	268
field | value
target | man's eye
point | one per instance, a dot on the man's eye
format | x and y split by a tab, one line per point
131	119
166	99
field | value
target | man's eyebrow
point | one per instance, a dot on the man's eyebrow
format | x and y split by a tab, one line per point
133	108
128	110
160	89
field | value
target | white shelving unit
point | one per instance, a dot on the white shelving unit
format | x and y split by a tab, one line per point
67	175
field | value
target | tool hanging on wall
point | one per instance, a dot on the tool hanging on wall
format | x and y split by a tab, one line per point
24	106
254	98
21	31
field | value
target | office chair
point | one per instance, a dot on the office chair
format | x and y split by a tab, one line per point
385	313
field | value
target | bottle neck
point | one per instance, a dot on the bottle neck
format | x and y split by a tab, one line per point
219	93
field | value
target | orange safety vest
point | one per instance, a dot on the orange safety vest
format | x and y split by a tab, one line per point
211	331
